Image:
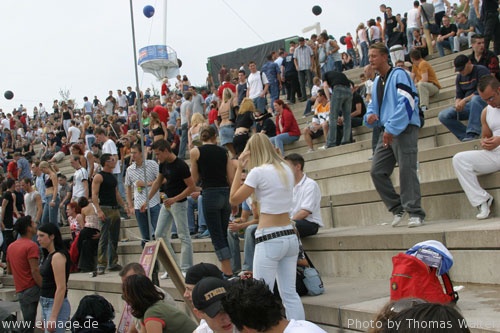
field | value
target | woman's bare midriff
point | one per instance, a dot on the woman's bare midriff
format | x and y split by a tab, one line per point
49	191
273	220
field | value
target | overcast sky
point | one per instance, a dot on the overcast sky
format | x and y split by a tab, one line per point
86	46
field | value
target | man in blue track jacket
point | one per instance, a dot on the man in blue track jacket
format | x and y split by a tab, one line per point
394	108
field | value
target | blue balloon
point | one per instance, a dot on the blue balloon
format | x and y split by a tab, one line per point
148	11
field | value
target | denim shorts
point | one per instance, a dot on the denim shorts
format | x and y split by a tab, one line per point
226	134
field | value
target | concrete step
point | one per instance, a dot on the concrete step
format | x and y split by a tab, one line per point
347	305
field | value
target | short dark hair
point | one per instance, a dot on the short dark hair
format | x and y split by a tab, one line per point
162	145
104	158
296	159
64	176
22	224
138	147
242	71
99	131
415	54
475	37
487	81
250	303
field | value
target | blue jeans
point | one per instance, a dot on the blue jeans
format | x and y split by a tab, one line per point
177	213
260	104
445	44
184	141
217	210
143	224
249	248
274	91
50	214
28	300
472	111
276	259
192	205
63	316
341	103
352	53
89	140
364	52
121	188
308	108
283	139
108	241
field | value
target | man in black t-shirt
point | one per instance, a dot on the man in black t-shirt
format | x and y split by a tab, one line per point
340	104
179	185
358	111
446	36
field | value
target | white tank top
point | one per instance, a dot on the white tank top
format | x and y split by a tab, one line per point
493	121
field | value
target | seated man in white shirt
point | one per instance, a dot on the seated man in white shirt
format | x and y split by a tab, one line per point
306	210
252	307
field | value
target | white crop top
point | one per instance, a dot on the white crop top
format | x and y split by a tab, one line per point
273	196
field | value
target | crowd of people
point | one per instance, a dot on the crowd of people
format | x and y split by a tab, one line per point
129	163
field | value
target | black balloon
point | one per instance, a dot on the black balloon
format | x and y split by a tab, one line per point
317	10
342	40
8	94
179	62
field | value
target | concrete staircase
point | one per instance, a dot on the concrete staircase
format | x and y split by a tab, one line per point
353	252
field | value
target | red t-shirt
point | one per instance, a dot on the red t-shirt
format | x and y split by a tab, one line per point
348	42
12	167
212	116
18	256
164	89
12	123
226	85
162	113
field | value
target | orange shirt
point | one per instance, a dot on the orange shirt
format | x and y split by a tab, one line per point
425	67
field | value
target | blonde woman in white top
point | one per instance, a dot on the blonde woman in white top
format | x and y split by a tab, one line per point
270	180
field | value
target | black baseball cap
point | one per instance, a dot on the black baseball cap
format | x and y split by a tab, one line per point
202	270
207	295
460	62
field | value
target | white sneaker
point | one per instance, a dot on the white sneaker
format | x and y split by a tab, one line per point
415	222
484	209
323	147
310	150
397	218
164	276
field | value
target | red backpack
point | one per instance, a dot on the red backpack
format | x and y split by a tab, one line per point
411	277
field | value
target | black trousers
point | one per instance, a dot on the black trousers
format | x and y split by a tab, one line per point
492	31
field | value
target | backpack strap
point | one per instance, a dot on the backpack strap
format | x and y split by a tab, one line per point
449	287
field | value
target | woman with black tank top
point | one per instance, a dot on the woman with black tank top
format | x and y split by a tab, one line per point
67	115
54	270
243	124
210	164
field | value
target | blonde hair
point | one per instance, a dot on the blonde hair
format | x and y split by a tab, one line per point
262	152
227	94
45	164
197	119
89	119
246	105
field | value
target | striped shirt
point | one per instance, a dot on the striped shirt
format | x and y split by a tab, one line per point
303	55
135	174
